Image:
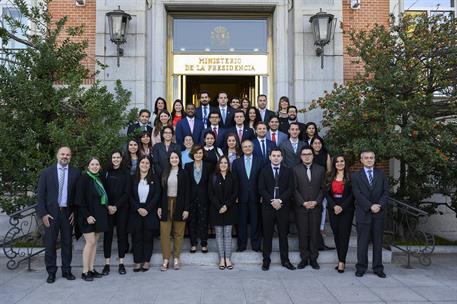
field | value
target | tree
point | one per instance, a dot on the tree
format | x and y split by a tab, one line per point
403	105
43	103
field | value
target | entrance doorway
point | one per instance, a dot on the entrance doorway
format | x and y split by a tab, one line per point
234	86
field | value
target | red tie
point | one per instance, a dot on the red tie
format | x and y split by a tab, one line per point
215	131
273	137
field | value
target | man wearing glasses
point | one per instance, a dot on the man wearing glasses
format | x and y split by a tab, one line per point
308	193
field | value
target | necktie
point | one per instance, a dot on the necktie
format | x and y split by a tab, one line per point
240	134
294	145
215	131
308	172
264	149
204	115
248	166
370	177
61	182
273	137
223	115
276	181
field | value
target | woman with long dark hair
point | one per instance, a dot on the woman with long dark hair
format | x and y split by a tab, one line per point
232	148
198	172
131	159
340	207
253	117
222	192
163	120
311	132
212	153
144	223
178	112
116	180
159	105
162	150
244	105
283	110
92	201
321	156
174	210
145	144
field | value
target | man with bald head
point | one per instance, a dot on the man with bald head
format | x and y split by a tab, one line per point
55	201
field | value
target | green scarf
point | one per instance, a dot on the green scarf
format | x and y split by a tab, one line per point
99	186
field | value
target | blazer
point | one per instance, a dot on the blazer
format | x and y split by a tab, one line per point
306	190
199	190
199	115
280	137
117	186
291	158
223	192
229	117
220	138
48	191
268	115
151	220
345	202
183	129
135	129
248	133
182	197
248	187
160	156
269	145
366	195
267	185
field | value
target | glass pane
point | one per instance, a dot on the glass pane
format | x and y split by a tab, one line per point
431	4
220	35
9	16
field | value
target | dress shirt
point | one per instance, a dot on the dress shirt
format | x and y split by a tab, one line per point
191	121
143	191
294	145
64	195
368	175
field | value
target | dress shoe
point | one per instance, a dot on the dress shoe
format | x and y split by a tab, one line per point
265	265
314	264
106	270
257	249
288	265
204	249
87	276
193	249
121	269
241	249
380	274
302	264
69	276
51	278
95	274
137	269
359	274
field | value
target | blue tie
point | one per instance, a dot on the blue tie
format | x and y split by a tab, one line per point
370	176
223	115
247	164
204	115
264	149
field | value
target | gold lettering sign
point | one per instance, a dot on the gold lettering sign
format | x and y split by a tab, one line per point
220	64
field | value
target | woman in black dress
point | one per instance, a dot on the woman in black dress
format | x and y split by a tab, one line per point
92	201
212	153
144	222
222	192
340	207
116	180
132	156
198	172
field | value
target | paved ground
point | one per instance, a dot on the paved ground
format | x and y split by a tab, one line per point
244	284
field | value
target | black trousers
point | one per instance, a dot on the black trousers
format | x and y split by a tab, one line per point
198	223
120	220
60	224
280	217
248	211
365	232
341	226
308	225
143	243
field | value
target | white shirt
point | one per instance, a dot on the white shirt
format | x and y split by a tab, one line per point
64	199
143	190
191	122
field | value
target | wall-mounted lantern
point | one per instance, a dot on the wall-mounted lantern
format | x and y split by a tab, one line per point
118	23
323	25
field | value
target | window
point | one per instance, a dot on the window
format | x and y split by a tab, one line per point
430	7
11	16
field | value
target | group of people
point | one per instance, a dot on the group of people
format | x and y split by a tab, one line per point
213	166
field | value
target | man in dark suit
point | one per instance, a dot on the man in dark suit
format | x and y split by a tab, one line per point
240	129
309	194
371	191
291	148
262	146
265	114
246	171
55	203
225	111
214	120
142	125
276	187
273	133
189	125
284	123
203	111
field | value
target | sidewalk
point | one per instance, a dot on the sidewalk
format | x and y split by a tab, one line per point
244	284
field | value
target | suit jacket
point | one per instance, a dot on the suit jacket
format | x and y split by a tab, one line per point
345	202
220	139
229	117
199	190
160	156
248	133
48	191
280	137
306	190
199	115
284	127
182	197
135	129
267	185
268	115
291	158
366	195
223	192
269	145
247	189
183	129
151	220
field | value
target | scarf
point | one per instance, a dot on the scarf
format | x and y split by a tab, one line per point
99	187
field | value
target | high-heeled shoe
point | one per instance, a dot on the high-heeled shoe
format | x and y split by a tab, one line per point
338	268
176	264
164	266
